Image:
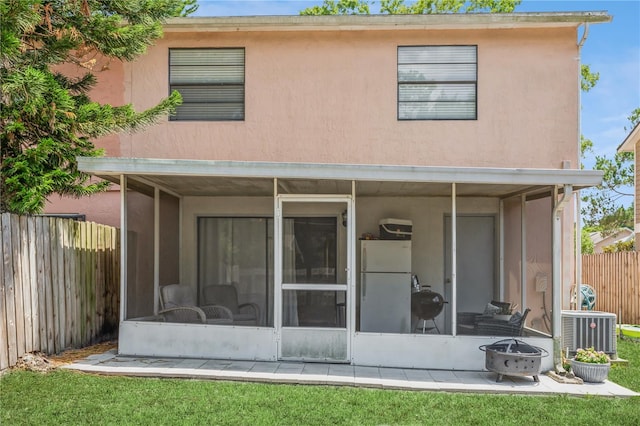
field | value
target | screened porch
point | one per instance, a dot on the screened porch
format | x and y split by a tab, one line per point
279	247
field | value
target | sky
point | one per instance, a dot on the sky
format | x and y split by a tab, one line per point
611	49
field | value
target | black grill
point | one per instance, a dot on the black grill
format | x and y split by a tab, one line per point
427	305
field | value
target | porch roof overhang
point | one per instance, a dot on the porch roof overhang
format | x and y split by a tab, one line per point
255	178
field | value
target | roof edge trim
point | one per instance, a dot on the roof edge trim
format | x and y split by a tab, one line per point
360	172
384	22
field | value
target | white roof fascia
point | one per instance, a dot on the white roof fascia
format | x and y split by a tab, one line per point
359	172
629	143
384	22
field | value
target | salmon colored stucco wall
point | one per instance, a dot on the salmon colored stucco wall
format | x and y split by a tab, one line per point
331	96
101	208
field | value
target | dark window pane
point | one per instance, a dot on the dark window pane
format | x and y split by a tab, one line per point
437	82
211	82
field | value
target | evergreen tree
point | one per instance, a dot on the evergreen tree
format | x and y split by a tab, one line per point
47	117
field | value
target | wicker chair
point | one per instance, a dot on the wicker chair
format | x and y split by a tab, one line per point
178	305
226	295
495	327
468	321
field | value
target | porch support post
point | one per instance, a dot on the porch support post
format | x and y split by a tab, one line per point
156	248
123	247
351	274
523	252
181	259
454	261
556	328
578	249
277	265
501	249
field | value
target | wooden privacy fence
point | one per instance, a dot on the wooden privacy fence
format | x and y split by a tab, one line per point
60	284
615	277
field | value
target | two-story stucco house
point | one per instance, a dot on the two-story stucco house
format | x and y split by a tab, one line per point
299	136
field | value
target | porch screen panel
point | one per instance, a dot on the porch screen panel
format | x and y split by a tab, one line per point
140	254
437	82
310	257
211	82
310	250
169	239
314	308
234	251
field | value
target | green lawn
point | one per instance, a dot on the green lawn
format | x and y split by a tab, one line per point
628	376
65	397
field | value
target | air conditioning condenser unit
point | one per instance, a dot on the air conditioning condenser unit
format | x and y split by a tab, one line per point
585	329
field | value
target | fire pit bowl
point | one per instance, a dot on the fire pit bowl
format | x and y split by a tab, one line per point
512	357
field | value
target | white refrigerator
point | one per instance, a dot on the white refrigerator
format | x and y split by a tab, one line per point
385	286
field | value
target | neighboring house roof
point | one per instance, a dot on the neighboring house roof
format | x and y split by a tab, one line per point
628	145
619	236
385	22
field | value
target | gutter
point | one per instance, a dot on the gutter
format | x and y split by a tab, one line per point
578	236
384	22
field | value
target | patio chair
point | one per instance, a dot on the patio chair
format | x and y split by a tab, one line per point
468	321
496	327
178	305
227	296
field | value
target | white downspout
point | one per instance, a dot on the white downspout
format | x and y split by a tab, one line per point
578	237
557	275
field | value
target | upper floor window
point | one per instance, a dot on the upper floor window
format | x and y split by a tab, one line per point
437	82
211	82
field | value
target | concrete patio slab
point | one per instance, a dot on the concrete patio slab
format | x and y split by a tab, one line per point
340	375
264	367
191	363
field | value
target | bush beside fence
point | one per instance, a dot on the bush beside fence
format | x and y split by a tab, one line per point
615	277
59	284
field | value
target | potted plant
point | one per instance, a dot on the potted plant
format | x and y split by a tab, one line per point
591	365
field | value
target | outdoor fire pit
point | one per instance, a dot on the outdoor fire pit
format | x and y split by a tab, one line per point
512	357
